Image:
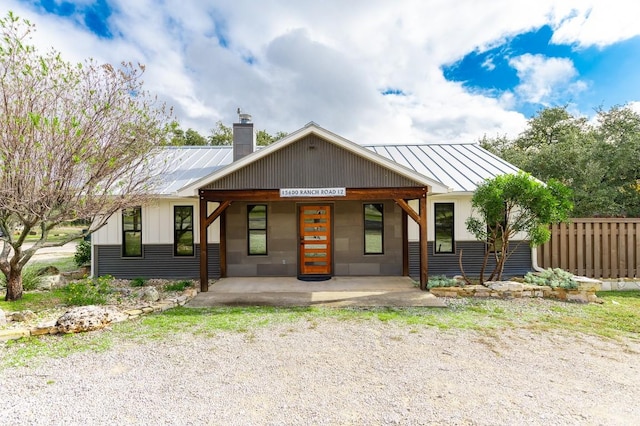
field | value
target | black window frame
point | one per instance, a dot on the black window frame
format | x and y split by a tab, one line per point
369	228
178	232
253	230
436	249
137	228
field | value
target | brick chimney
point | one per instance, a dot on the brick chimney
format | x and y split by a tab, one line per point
244	139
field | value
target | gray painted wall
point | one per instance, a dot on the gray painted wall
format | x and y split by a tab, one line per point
313	162
158	261
283	243
473	252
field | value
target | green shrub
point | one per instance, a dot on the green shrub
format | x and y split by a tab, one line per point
83	253
138	282
442	281
30	279
554	278
88	291
178	286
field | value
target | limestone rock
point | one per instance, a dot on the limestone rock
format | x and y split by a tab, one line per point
49	282
88	318
504	285
150	294
48	270
3	318
22	316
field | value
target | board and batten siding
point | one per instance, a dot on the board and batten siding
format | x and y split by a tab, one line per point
313	162
157	261
157	224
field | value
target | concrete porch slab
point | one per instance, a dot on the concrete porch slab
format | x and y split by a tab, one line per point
338	292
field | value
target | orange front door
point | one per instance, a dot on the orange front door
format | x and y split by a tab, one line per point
315	240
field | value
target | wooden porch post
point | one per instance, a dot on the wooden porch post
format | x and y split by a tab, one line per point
204	245
424	266
205	221
223	244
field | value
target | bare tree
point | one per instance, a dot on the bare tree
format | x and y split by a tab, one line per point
77	141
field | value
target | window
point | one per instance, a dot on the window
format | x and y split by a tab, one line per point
132	232
373	229
257	229
443	216
183	231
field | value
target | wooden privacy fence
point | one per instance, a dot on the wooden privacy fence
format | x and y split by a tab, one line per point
597	248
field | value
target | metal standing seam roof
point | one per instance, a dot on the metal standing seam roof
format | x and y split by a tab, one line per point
184	165
459	166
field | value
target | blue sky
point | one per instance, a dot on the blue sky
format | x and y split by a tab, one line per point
607	74
374	71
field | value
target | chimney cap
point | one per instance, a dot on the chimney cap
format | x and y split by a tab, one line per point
244	117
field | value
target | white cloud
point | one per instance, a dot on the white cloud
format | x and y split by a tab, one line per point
324	61
599	23
542	78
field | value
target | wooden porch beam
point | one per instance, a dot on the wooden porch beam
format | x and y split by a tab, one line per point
219	195
217	212
408	209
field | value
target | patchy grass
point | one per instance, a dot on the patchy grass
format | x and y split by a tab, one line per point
57	234
30	351
64	264
617	318
36	301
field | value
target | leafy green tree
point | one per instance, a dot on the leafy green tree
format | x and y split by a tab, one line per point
76	142
619	153
176	134
221	135
193	138
597	161
513	204
263	138
189	138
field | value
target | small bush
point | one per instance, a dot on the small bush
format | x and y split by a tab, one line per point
138	282
30	279
88	291
442	281
83	253
554	278
178	286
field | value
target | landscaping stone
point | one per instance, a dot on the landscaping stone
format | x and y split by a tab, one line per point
150	294
3	318
48	270
585	293
504	286
49	282
22	316
88	318
13	333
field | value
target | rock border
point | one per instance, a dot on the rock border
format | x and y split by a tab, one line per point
585	293
51	327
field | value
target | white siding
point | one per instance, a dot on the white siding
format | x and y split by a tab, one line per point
157	224
461	211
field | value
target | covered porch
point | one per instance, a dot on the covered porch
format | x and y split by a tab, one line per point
223	199
336	292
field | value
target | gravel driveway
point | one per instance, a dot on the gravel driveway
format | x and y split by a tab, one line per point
327	371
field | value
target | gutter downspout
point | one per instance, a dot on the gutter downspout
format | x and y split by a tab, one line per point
534	260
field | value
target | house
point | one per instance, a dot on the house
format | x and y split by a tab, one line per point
312	205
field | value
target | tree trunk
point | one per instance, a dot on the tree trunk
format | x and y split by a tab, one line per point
484	265
14	284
